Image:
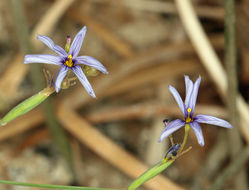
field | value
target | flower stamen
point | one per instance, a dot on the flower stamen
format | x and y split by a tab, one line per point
189	110
69	61
188	119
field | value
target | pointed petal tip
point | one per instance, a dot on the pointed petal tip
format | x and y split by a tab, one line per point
170	87
161	139
38	36
202	143
57	89
92	94
229	126
103	70
186	76
26	59
83	30
199	78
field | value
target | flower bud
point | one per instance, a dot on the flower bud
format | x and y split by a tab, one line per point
90	71
68	44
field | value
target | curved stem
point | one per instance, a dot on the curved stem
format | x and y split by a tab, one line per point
187	127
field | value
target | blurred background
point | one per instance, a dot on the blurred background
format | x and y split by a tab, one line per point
73	139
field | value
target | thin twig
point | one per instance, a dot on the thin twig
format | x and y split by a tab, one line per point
235	141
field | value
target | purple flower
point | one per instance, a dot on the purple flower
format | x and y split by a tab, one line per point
67	61
187	109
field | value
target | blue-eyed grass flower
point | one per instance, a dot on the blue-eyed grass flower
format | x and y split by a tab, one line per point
187	108
68	60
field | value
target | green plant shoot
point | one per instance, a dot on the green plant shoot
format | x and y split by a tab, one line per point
26	105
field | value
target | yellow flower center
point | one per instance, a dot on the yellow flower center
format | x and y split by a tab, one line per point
189	110
188	119
69	62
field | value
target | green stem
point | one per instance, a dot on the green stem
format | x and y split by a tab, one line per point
149	174
187	127
61	187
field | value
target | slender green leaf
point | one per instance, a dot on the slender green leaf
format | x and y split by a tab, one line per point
149	174
61	187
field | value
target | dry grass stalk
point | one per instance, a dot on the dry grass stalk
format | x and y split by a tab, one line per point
109	38
12	77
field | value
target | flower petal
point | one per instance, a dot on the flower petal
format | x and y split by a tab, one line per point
90	61
57	49
193	97
198	132
189	88
178	100
60	76
79	73
77	42
171	128
42	58
212	120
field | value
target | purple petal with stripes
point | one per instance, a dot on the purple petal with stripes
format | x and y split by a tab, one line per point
198	132
212	120
178	100
193	97
42	58
77	42
57	49
90	61
171	128
60	76
189	88
82	78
